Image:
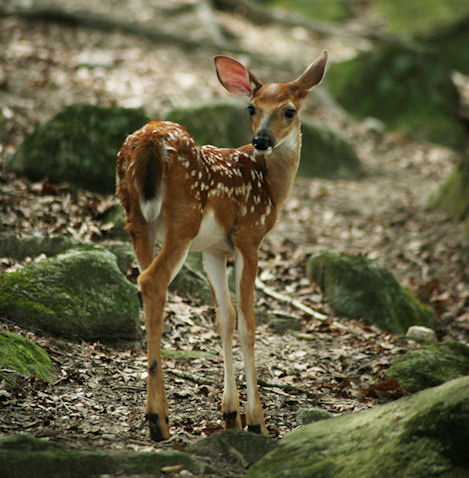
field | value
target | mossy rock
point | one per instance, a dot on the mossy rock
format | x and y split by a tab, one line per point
425	434
421	17
238	448
325	152
191	282
80	294
23	456
319	10
452	43
359	288
78	146
21	247
20	356
430	365
408	90
453	196
223	123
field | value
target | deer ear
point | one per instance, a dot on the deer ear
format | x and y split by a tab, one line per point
234	76
313	75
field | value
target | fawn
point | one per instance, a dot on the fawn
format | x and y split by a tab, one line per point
221	202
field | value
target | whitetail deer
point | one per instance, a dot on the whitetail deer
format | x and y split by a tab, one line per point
219	201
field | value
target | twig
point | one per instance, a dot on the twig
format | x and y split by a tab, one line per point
288	300
192	378
288	387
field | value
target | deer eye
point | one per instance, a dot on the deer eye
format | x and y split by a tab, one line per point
251	110
290	113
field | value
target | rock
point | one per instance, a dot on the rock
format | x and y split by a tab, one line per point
421	334
224	123
22	456
237	447
21	247
191	282
330	11
325	152
78	146
80	294
359	288
309	415
408	90
20	356
425	434
281	326
452	195
430	365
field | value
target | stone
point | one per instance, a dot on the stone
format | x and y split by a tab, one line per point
430	365
409	90
359	288
421	334
80	295
282	326
22	455
237	447
425	434
78	146
309	415
326	153
21	357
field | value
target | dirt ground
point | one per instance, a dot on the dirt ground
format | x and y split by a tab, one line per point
335	364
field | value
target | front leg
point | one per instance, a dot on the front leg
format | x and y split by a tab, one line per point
245	277
215	266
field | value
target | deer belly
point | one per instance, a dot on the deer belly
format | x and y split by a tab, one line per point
211	235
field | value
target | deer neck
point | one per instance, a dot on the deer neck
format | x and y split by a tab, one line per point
281	166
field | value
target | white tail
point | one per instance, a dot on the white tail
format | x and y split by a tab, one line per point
221	202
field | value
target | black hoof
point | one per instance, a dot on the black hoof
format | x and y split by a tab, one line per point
254	428
153	420
230	419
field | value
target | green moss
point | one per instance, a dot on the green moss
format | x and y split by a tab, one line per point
408	90
409	437
79	294
430	365
453	195
22	456
191	282
20	355
78	145
326	153
223	123
357	287
185	355
329	11
421	16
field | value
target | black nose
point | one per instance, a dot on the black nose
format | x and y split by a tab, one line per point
262	140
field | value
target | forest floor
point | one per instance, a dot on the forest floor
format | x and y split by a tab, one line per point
335	364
